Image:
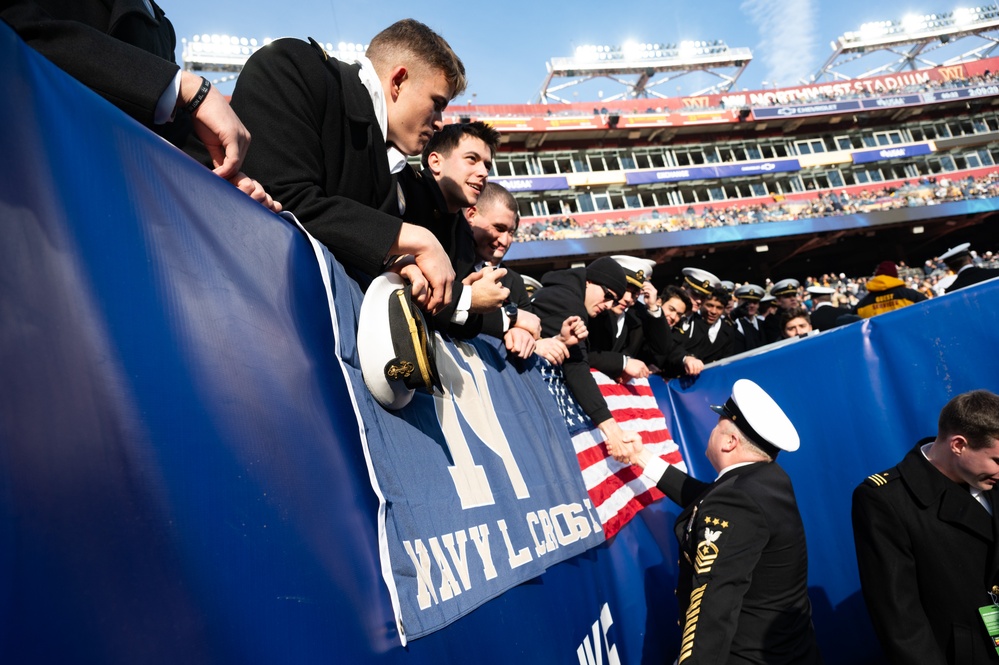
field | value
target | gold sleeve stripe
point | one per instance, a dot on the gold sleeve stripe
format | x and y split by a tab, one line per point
690	623
878	479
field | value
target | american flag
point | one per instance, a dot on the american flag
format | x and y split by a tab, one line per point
618	491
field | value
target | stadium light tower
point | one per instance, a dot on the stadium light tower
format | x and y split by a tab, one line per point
642	67
225	53
907	43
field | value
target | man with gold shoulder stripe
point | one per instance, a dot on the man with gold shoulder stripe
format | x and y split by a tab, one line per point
743	582
927	538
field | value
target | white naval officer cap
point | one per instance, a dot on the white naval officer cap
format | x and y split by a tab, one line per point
700	280
531	285
821	290
749	292
785	287
759	417
637	271
955	252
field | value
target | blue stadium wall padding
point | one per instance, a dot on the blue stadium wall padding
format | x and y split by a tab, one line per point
181	473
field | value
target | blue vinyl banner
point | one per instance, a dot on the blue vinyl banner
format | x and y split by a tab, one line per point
891	152
182	474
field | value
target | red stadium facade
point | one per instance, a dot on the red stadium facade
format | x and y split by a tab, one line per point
843	174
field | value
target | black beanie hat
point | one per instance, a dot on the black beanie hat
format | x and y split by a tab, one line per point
608	273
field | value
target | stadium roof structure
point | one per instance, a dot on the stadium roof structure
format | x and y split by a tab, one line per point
228	53
908	43
636	66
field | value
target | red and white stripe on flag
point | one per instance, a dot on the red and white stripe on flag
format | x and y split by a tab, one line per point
619	491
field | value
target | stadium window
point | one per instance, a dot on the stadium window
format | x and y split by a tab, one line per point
961	163
843	143
809	146
585	202
596	162
955	128
580	164
992	123
753	152
688	195
602	201
711	155
870	141
633	201
780	150
539	209
795	184
628	161
943	130
758	189
612	161
922	168
564	163
682	158
616	201
947	163
929	132
696	156
642	161
985	157
861	177
739	153
548	164
967	128
835	178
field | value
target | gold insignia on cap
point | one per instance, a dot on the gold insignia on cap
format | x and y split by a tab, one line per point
640	275
402	370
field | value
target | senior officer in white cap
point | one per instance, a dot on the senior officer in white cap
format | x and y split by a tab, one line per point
743	582
633	333
959	260
824	315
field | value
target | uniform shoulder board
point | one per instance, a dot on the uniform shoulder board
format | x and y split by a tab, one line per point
881	479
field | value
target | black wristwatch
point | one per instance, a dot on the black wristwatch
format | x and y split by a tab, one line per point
511	313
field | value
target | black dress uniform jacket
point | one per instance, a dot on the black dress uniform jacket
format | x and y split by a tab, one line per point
700	345
318	149
564	295
827	316
114	47
927	555
643	336
743	582
972	275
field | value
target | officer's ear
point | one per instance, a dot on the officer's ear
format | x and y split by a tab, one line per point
957	444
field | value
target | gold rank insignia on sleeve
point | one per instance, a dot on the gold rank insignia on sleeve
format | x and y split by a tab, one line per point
707	550
879	479
690	623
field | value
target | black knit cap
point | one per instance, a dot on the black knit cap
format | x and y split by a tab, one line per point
608	273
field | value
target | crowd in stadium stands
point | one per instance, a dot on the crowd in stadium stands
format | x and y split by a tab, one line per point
926	191
928	280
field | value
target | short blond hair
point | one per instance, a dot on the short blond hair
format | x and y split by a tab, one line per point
409	39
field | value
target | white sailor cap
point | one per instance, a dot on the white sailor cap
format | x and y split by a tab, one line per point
821	290
394	346
531	285
768	298
749	292
637	271
700	280
729	286
759	417
955	252
785	287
